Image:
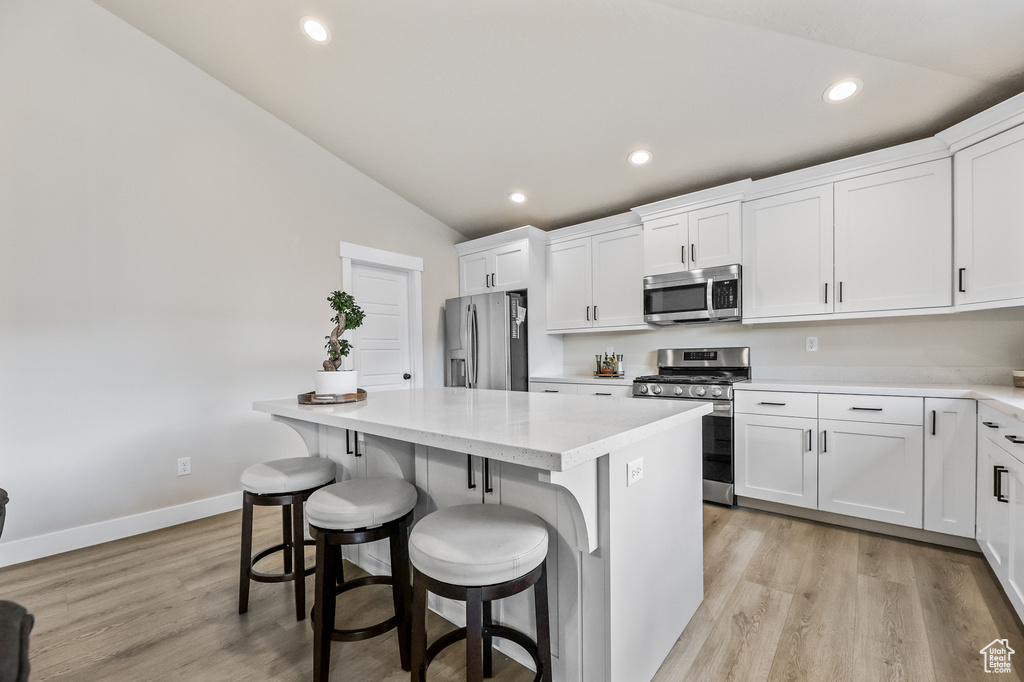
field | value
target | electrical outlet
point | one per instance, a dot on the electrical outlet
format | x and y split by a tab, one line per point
184	466
812	343
634	471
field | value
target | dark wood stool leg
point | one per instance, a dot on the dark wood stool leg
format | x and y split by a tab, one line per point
474	636
299	550
540	596
401	590
419	627
286	535
488	643
323	609
339	565
246	560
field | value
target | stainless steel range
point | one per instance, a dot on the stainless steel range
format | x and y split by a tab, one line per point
704	374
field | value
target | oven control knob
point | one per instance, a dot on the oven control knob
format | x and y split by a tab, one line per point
700	390
678	390
716	392
643	388
656	390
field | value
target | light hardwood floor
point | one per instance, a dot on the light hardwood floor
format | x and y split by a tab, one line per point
785	599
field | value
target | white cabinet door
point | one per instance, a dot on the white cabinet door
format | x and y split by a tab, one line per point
474	273
871	471
787	254
1014	480
618	278
569	286
665	245
993	521
950	465
894	239
510	268
777	459
457	478
715	236
989	218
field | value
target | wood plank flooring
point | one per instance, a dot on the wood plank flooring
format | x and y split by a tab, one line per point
785	599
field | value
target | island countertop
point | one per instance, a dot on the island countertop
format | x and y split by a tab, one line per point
553	432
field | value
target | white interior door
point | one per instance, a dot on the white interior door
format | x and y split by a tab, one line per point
382	349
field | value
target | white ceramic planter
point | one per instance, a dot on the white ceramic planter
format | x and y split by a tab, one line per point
335	383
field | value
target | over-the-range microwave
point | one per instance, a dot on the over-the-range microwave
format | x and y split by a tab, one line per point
708	295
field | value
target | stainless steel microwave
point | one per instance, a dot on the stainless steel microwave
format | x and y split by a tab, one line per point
708	295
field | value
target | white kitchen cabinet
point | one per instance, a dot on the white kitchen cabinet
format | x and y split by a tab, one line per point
596	282
457	478
500	268
787	254
989	220
692	240
553	387
777	459
894	239
950	465
871	471
610	391
993	513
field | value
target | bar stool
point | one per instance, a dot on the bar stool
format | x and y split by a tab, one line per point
285	483
477	553
354	512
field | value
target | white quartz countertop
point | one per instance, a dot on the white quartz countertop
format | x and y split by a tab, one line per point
548	431
1006	399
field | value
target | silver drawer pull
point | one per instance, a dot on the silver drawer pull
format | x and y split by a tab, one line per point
867	409
773	404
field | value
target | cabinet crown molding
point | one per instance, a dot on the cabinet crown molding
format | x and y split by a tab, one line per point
705	198
499	239
994	120
919	151
591	227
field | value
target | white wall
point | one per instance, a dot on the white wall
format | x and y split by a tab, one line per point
975	347
166	252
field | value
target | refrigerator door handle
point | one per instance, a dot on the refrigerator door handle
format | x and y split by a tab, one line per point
467	340
474	349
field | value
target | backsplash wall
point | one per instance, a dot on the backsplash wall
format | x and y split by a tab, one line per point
971	347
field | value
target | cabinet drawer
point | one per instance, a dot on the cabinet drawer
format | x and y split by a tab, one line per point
552	387
1001	429
776	402
612	391
884	409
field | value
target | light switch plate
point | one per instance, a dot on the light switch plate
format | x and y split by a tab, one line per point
634	471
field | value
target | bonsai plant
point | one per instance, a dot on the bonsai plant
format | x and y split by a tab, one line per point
347	315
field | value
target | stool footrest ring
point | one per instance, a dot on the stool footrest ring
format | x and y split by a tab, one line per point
492	630
261	577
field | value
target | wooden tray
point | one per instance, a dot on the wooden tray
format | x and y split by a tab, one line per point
620	375
311	398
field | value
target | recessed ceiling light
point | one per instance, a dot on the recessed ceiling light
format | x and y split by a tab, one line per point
843	90
315	30
640	157
517	197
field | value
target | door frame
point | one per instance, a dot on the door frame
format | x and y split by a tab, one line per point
413	265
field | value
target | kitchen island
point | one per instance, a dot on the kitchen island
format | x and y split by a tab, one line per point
617	480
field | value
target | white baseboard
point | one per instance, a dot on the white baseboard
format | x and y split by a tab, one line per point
27	549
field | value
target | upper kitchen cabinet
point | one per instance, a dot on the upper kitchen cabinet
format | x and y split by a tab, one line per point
787	254
694	231
894	239
866	236
498	268
989	201
595	276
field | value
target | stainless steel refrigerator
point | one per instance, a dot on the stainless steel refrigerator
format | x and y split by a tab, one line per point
485	342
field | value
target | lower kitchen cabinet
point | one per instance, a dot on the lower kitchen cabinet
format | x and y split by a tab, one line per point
950	464
609	390
777	459
871	471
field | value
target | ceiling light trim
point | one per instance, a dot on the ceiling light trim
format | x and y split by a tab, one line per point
842	90
315	30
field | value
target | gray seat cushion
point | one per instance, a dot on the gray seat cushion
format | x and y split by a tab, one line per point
288	475
360	503
478	544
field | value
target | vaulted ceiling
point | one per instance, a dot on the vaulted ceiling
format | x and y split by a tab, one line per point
454	104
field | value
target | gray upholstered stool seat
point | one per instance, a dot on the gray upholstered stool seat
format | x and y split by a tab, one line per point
286	483
354	512
478	553
360	503
288	475
478	544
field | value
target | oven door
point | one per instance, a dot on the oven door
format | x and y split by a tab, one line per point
717	454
